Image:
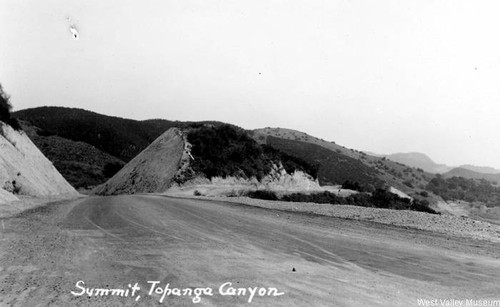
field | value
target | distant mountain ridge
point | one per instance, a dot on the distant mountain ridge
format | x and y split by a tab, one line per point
480	169
421	160
469	174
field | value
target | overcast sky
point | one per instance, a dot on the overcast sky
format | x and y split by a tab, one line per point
381	76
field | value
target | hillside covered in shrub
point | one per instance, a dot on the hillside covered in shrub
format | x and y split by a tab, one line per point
470	190
226	150
119	137
333	167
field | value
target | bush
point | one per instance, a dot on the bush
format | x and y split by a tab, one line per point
5	110
263	194
408	183
5	106
320	198
352	185
424	194
17	188
422	205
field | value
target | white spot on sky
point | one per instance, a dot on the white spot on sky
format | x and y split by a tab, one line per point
72	29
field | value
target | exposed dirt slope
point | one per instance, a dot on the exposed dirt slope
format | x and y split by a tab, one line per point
150	171
24	170
278	181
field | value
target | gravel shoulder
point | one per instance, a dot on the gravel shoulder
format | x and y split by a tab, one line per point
444	223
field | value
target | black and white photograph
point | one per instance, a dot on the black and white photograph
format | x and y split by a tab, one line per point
250	153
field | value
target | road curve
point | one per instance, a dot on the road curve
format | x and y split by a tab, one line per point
293	259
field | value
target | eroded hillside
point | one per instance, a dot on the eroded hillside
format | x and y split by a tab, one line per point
24	170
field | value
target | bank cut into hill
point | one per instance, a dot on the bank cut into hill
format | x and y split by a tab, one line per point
25	171
204	153
150	171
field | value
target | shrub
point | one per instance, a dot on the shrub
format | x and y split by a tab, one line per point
352	185
424	194
263	194
408	183
379	199
5	110
320	198
422	205
5	106
17	188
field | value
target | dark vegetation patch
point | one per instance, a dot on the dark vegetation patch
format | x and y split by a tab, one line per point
470	190
110	169
5	110
81	164
119	137
225	150
80	175
354	185
380	198
262	194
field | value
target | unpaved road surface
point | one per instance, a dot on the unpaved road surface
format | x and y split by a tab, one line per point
111	242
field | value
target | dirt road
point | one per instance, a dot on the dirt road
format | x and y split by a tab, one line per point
50	255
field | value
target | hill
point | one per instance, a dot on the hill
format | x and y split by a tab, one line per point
200	152
466	189
480	169
119	137
419	160
469	174
334	167
81	164
338	164
88	148
226	157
